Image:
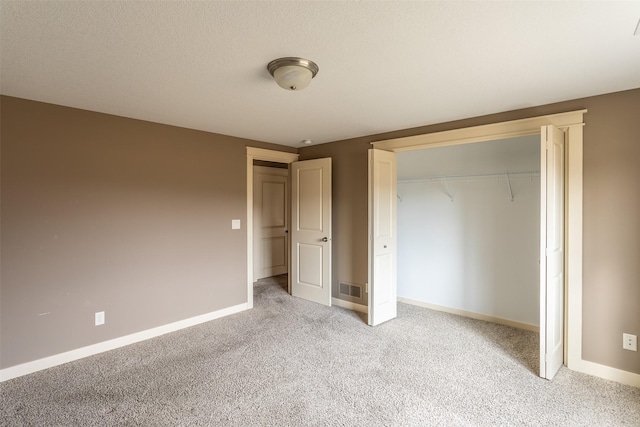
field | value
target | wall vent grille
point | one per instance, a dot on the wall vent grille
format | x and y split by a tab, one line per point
350	290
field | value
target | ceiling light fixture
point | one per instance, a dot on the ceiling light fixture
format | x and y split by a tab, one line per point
292	73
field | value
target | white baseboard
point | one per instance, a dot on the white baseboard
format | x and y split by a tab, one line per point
584	366
606	372
70	356
479	316
350	305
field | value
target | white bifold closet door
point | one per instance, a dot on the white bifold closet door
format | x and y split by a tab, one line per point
383	237
551	251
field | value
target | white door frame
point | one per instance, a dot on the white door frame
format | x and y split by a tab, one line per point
572	123
267	156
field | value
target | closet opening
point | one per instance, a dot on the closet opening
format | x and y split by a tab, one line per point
469	230
561	136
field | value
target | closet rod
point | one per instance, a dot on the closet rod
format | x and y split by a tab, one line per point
505	175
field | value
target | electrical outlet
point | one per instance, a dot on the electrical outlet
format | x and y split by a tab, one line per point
630	342
100	318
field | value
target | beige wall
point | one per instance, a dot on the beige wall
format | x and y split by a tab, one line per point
611	300
104	213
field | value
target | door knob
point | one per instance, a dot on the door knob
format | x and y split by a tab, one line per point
324	239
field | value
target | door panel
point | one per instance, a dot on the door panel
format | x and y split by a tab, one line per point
552	251
382	236
274	200
274	254
383	273
310	187
310	262
270	221
311	230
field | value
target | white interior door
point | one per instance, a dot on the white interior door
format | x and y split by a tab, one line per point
270	221
311	230
552	251
382	236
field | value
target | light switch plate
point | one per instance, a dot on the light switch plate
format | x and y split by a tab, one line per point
99	320
235	224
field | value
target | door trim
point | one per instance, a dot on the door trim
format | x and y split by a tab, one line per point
572	123
268	156
489	132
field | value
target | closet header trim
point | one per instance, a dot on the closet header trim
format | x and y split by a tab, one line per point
489	132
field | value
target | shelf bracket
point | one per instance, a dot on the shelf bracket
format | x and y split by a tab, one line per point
509	184
445	184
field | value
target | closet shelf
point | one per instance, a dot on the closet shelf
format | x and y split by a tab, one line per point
473	177
444	180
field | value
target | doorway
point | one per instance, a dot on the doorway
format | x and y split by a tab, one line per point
260	155
270	219
309	242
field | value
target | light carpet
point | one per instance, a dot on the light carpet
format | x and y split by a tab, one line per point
289	362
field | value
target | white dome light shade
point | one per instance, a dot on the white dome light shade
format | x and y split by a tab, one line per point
292	73
292	77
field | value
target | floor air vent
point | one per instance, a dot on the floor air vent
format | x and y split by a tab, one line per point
350	290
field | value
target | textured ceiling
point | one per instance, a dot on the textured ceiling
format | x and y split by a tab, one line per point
383	65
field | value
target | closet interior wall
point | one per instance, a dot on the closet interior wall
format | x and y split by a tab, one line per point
469	228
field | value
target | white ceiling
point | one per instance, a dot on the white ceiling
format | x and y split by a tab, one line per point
383	65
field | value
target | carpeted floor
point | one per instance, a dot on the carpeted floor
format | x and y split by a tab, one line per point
289	362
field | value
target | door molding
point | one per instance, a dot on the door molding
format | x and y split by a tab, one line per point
489	132
572	123
268	156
